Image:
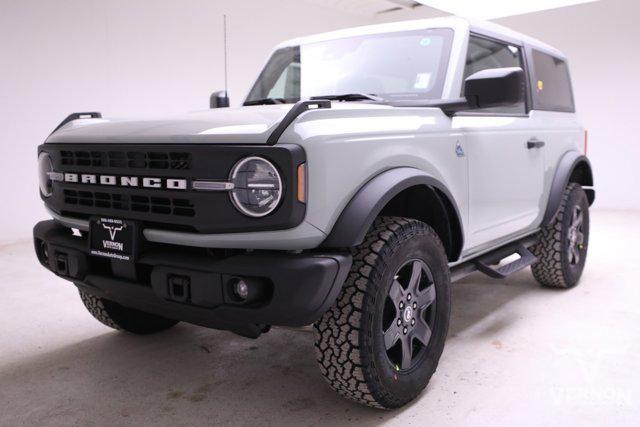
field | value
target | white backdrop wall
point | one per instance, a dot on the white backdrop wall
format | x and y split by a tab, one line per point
123	58
154	57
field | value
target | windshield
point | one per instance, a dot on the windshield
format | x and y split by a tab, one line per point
403	65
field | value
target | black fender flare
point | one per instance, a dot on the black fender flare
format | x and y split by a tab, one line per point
569	162
361	211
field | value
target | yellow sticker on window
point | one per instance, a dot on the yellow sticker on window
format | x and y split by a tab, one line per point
540	85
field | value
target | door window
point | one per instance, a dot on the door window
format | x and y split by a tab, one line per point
483	54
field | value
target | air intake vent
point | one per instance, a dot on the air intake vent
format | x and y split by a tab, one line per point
156	205
127	159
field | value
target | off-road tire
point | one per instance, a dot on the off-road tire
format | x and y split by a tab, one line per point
554	268
118	317
347	341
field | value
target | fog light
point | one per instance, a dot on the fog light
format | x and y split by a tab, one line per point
241	289
245	290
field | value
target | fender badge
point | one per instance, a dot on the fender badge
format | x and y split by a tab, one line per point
459	150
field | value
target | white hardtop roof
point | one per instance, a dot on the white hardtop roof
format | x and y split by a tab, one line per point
454	22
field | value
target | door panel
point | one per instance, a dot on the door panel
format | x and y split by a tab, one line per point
506	178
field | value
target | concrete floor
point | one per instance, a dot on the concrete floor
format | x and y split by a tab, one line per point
516	353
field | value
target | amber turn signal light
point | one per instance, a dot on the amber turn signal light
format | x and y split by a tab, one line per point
302	183
586	141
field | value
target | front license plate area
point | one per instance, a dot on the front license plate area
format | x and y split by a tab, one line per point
113	238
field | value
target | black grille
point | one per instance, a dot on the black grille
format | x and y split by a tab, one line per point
124	202
207	212
127	159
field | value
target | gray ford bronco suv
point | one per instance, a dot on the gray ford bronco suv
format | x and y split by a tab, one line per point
366	171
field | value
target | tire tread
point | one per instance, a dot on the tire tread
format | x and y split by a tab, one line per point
548	271
97	309
122	318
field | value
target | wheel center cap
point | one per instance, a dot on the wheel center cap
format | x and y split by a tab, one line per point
573	236
408	314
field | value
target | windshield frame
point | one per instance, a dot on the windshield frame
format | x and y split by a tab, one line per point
254	95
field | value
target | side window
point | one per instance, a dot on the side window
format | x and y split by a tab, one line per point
483	54
288	84
552	86
280	78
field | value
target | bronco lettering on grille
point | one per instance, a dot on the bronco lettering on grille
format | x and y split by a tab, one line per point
124	181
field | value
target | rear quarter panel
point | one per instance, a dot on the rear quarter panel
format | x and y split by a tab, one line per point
564	133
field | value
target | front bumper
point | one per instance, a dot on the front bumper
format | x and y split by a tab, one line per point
190	285
304	236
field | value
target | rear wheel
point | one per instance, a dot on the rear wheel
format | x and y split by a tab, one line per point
381	341
562	245
118	317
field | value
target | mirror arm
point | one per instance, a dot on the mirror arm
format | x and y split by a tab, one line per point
452	106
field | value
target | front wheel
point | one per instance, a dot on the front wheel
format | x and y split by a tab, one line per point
123	318
381	341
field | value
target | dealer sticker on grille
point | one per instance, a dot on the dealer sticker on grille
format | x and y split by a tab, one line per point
113	238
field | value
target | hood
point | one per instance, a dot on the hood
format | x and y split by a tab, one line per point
252	125
246	125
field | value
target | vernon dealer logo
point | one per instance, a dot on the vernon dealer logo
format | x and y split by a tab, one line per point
120	181
111	248
112	226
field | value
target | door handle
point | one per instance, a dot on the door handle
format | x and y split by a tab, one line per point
534	143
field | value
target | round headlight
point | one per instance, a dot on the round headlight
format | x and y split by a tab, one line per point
44	167
257	186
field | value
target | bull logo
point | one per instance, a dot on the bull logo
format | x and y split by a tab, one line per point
113	230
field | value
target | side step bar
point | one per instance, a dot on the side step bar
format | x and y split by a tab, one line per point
484	263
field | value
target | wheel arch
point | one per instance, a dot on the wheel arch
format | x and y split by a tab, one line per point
573	167
405	192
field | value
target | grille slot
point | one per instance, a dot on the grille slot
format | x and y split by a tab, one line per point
156	205
158	160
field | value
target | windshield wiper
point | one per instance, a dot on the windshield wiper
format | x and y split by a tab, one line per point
266	101
342	97
351	97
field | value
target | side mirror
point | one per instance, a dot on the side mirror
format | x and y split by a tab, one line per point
495	87
219	99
